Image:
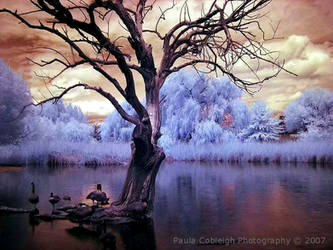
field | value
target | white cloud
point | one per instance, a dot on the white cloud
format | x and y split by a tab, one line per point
311	62
95	107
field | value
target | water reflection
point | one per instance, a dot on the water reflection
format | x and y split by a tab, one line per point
192	200
195	201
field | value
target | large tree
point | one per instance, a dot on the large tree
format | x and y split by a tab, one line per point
225	34
14	95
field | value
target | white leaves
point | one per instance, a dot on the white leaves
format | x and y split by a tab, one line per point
312	114
195	106
262	127
115	128
14	95
64	123
207	132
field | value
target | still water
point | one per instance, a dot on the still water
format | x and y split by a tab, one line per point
197	206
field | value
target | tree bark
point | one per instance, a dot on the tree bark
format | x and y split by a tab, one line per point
137	197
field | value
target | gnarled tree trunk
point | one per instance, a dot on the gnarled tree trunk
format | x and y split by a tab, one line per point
137	197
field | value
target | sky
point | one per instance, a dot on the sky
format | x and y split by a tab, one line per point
304	41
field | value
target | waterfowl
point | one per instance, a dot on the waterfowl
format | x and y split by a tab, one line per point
98	196
54	199
66	198
33	198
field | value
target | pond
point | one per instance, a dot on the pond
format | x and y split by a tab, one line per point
197	206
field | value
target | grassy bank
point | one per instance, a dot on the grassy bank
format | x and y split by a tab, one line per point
293	151
58	153
94	154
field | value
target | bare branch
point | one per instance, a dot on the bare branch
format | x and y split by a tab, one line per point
99	90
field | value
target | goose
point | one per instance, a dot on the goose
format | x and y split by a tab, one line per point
33	198
54	199
98	196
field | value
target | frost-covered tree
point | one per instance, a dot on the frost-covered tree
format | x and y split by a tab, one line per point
240	116
262	127
199	106
58	111
62	122
115	128
14	95
51	120
311	114
207	131
74	131
198	102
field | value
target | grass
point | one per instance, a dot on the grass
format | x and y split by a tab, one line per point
94	153
293	151
64	153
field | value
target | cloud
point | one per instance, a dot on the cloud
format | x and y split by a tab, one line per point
304	58
307	48
311	62
97	108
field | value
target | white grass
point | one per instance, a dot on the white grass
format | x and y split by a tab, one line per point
78	153
104	153
256	152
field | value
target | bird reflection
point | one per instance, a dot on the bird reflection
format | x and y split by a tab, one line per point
33	222
33	199
134	236
82	232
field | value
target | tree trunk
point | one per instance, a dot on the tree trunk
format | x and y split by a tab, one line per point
137	197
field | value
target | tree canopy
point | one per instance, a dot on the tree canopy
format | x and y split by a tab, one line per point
225	34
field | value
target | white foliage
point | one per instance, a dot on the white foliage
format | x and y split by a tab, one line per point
241	116
75	131
190	100
57	121
115	128
166	141
14	95
312	111
262	126
192	106
315	133
207	132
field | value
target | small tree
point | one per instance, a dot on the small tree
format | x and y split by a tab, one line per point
263	127
222	36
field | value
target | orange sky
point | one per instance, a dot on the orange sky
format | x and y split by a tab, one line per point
306	43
